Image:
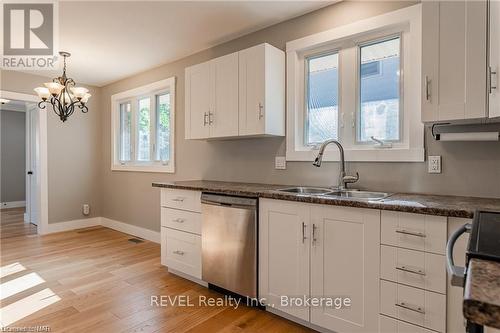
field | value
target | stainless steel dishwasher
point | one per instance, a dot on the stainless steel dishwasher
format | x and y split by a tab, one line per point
229	243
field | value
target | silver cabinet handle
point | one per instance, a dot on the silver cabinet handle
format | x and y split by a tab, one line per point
427	89
205	122
210	120
491	73
411	270
314	233
181	253
304	237
410	307
261	109
179	220
178	199
411	233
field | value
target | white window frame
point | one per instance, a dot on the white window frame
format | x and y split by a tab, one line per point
133	95
346	39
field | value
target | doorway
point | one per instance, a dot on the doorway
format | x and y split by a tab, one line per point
23	196
17	145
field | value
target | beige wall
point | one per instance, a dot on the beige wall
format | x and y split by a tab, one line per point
79	163
74	153
468	169
13	155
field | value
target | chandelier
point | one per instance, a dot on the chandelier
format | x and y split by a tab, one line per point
63	95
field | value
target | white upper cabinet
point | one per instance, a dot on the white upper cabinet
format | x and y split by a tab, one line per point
197	101
494	59
262	91
223	114
454	68
240	94
212	98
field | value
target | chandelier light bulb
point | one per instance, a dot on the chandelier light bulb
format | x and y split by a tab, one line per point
85	98
42	92
79	92
54	88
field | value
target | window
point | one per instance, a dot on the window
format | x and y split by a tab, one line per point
143	128
322	98
358	84
379	87
125	131
163	127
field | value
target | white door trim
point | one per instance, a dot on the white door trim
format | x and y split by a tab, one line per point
42	180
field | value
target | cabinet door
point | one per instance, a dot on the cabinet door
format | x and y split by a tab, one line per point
252	90
454	60
284	254
345	258
494	102
224	105
197	101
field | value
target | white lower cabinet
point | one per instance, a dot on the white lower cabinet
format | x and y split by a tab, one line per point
181	232
321	253
389	325
284	254
413	305
183	252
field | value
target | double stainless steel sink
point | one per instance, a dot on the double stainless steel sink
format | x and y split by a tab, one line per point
334	193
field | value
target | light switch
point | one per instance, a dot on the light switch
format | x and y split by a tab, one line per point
434	164
280	162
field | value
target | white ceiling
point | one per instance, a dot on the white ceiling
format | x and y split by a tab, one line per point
112	40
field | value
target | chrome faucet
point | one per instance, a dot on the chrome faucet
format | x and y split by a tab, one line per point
343	178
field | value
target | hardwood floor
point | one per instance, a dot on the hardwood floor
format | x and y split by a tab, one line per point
12	223
96	280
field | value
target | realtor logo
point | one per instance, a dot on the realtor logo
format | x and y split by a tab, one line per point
29	35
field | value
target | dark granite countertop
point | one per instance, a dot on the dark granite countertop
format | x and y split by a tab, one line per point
482	293
452	206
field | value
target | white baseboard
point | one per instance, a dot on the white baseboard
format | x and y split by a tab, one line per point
13	204
150	235
74	224
25	217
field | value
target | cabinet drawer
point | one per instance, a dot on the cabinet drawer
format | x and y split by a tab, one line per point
414	268
414	231
181	199
181	220
183	252
416	306
391	325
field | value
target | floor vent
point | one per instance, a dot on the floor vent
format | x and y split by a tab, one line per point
136	240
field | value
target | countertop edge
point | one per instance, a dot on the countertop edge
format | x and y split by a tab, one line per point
269	194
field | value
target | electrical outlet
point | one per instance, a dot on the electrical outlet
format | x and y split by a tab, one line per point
280	162
86	209
434	164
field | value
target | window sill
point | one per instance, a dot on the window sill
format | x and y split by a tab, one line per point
169	168
361	155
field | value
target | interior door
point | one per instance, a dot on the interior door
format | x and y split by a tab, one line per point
252	90
345	257
197	101
224	84
32	156
284	254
